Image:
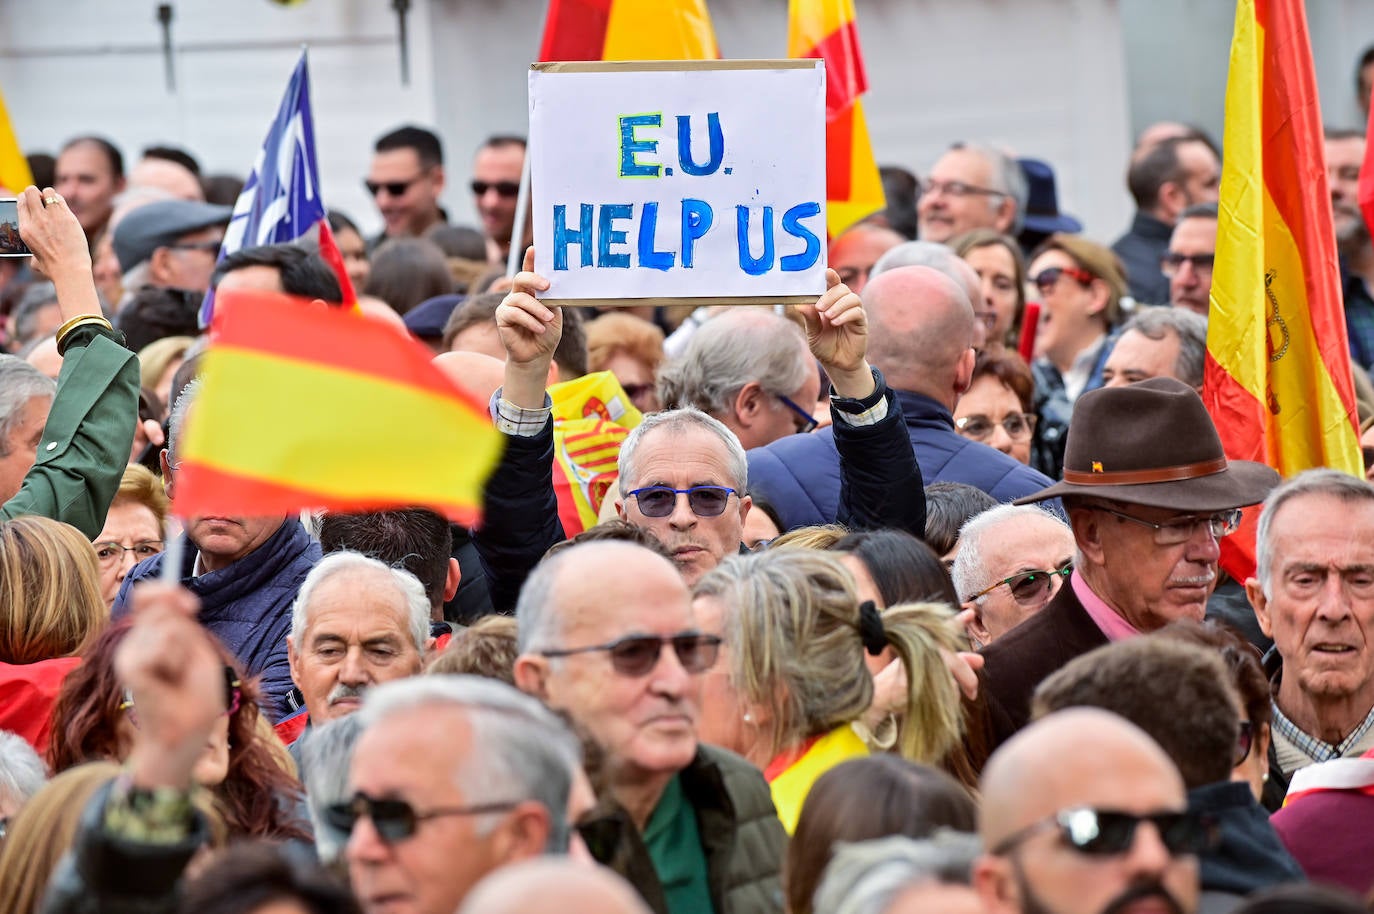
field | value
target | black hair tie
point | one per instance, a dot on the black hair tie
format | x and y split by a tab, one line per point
871	628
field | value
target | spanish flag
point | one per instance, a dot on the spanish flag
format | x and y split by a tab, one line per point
827	29
592	415
14	168
307	406
1278	382
628	30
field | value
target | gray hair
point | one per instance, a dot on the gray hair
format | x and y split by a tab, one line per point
326	753
343	561
1333	483
970	571
20	382
177	418
867	877
519	749
1154	323
22	773
1200	211
922	254
36	297
1007	178
729	351
676	421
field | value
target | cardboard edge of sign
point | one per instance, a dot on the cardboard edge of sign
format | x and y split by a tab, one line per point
670	302
641	66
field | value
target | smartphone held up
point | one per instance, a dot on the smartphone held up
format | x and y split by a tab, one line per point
11	245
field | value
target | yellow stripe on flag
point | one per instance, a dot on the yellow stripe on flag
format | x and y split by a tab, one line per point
14	168
812	21
427	455
659	30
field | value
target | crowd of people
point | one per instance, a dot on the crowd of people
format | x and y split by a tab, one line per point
864	613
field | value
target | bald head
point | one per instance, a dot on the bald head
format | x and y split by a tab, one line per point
854	252
1076	757
921	330
553	884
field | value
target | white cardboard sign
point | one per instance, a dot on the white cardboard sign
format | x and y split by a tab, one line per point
679	180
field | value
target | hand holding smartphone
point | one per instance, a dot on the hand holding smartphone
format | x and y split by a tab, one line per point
11	245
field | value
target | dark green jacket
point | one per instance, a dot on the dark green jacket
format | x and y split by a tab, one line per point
740	832
86	442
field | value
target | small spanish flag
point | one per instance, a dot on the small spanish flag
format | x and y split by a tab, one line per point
307	406
628	30
828	29
1278	382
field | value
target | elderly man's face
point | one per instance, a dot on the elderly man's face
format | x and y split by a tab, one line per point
1148	584
416	757
357	634
1011	551
1320	605
1043	874
1193	241
1343	160
963	195
681	459
646	723
19	450
1136	357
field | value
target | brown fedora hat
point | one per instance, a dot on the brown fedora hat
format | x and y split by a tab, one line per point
1153	443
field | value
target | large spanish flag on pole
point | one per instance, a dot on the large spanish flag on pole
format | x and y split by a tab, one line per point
827	29
14	168
1278	381
628	30
308	406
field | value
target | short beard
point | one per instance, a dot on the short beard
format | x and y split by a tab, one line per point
1145	888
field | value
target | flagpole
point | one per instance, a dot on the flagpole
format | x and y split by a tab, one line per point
517	232
172	558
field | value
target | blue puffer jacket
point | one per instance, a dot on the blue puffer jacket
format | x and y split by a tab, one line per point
247	606
799	476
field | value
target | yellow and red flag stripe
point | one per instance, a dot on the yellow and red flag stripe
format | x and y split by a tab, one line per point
827	29
592	416
14	168
1278	382
628	30
307	406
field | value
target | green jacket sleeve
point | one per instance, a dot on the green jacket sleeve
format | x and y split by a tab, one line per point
86	442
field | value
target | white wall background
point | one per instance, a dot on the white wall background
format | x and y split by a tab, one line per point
1069	81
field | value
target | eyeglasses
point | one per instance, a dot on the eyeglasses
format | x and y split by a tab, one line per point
233	697
394	188
807	422
502	188
1046	278
1029	588
397	820
111	553
1105	833
209	247
1173	532
705	501
1244	742
637	655
957	189
1018	426
1202	263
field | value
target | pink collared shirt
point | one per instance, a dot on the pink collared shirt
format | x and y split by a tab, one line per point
1103	616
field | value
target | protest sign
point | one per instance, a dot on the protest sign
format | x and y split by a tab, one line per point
677	181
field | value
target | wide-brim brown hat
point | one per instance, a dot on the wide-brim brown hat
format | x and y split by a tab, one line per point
1153	443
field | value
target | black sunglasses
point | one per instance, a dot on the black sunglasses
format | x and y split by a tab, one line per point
1106	833
394	188
396	820
637	655
504	188
659	501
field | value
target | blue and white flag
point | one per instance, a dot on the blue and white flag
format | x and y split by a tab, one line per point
280	201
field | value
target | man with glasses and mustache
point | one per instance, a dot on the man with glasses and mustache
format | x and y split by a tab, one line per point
608	635
1083	813
971	187
1012	560
405	179
1149	493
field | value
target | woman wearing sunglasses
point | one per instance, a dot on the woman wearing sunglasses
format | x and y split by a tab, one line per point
1081	285
791	678
97	719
